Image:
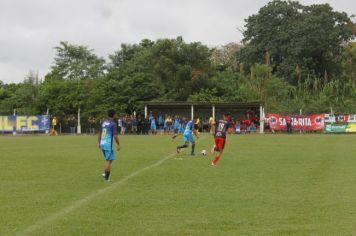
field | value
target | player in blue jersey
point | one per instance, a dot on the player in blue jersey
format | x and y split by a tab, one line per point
188	137
153	125
181	125
107	135
176	124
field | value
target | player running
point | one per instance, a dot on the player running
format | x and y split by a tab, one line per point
107	134
220	129
188	137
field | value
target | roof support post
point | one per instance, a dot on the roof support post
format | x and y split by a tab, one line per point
262	119
213	112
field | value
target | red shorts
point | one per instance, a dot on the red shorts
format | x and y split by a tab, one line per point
219	143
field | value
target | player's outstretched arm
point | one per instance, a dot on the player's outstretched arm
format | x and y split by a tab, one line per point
116	138
99	138
175	136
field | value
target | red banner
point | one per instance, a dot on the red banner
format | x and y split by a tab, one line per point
299	122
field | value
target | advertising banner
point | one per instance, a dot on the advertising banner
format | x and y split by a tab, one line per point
330	118
335	128
24	123
299	122
340	128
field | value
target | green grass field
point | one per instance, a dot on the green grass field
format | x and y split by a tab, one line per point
263	185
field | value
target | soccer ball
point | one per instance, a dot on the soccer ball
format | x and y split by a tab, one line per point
203	152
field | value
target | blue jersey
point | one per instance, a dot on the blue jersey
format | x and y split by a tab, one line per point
176	123
108	130
189	128
181	126
165	124
153	123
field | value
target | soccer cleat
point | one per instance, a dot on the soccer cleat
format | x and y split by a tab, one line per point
105	180
178	150
213	164
192	154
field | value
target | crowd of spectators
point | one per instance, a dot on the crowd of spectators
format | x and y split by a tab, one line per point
169	124
158	124
248	123
130	124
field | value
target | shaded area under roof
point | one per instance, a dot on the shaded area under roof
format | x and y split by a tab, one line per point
239	105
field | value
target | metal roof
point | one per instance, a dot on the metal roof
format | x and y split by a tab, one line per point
256	104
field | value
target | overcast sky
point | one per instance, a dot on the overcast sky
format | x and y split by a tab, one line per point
29	29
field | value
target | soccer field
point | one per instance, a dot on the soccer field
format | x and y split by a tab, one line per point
263	185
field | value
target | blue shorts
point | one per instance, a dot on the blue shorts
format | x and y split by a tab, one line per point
188	138
109	155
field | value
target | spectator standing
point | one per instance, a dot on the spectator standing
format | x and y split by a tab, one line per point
160	121
176	124
146	126
205	124
197	124
92	122
128	124
253	127
289	125
165	127
119	125
54	126
211	122
134	125
238	127
247	123
169	124
123	126
181	125
153	125
71	123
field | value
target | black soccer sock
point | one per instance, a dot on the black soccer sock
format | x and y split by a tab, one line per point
193	147
107	175
183	146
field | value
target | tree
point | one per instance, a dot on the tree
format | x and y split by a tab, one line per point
8	98
349	63
287	35
268	88
167	69
226	56
74	68
23	96
27	93
74	62
206	95
53	95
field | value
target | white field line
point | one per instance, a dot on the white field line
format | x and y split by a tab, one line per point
77	204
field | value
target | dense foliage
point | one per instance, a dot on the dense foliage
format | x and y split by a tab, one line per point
287	35
292	57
